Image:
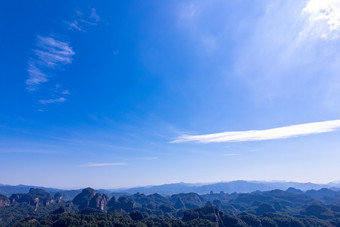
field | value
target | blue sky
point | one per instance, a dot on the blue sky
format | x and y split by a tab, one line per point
114	94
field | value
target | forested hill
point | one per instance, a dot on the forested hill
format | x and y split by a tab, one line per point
291	207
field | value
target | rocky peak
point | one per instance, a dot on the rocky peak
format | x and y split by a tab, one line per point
99	201
125	203
4	201
34	197
89	191
57	197
22	198
83	199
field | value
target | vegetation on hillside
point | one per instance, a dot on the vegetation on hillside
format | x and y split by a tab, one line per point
90	208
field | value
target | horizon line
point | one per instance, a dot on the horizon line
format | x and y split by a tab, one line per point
198	183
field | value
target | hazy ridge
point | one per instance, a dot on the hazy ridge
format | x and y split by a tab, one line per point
239	186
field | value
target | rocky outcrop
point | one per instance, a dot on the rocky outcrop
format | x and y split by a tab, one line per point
112	202
4	201
35	197
83	199
187	200
41	196
90	198
99	201
124	203
22	198
57	197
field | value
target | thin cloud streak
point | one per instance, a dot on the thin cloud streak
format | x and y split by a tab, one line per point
83	20
36	76
94	15
53	52
104	164
259	135
49	54
74	25
48	101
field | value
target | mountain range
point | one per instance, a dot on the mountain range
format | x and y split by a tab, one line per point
168	189
291	207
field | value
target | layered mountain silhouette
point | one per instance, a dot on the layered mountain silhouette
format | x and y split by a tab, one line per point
321	207
169	189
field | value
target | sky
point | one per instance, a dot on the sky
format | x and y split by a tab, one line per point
112	94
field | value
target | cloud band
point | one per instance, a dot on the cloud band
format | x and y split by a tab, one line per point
259	135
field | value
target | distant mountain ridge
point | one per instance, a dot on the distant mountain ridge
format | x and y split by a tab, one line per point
11	189
227	187
8	190
239	186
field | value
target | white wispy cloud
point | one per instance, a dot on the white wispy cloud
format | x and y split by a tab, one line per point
60	90
49	55
324	11
82	20
65	92
258	135
49	101
74	25
104	164
36	76
53	52
94	15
